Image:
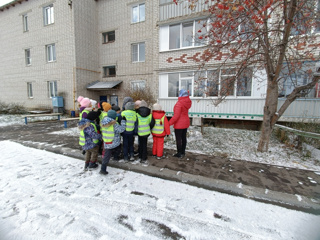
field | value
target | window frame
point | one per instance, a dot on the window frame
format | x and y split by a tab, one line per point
106	36
48	15
138	18
175	83
138	52
27	53
25	23
51	52
52	89
135	85
29	90
195	41
106	71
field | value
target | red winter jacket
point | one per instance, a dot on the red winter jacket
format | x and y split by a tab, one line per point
180	119
158	115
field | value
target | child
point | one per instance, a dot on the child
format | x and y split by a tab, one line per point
129	114
111	137
159	131
85	108
89	140
145	123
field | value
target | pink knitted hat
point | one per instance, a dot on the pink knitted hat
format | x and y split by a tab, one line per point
79	99
85	102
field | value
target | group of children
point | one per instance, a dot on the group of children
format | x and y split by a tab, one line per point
102	126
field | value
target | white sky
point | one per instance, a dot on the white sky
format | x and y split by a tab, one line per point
3	2
44	195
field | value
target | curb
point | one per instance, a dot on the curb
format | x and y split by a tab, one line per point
294	202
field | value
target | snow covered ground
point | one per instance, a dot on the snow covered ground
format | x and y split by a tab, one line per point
48	196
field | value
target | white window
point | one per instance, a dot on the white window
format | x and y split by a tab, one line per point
293	76
27	57
51	52
29	89
138	84
317	28
48	15
52	89
183	35
211	83
25	23
138	52
138	13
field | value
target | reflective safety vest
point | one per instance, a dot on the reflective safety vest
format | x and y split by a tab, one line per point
102	116
107	134
143	125
158	127
82	139
84	111
131	118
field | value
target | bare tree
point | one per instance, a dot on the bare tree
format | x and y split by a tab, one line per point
278	37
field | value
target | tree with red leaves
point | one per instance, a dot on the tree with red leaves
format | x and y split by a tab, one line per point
273	36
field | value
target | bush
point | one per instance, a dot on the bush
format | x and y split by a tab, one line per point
141	94
12	108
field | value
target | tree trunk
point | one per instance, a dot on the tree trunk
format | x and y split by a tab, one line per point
270	110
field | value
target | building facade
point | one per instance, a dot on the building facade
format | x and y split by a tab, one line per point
101	48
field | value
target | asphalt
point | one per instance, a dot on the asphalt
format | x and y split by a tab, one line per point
286	187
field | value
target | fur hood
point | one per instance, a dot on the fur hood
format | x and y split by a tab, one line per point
107	122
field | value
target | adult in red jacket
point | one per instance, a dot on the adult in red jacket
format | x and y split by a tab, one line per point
160	130
181	122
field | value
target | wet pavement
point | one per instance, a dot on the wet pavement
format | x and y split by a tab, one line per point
287	187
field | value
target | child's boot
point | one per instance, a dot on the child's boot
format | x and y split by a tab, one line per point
86	166
93	165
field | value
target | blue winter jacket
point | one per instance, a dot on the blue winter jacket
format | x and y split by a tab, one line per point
118	129
89	133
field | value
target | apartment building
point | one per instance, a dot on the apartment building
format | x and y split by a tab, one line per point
70	48
100	48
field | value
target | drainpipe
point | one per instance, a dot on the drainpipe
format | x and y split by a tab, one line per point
74	83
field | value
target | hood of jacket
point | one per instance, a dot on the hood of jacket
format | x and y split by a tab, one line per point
144	111
107	122
84	123
158	114
185	102
125	101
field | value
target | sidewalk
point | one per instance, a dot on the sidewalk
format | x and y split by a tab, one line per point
287	187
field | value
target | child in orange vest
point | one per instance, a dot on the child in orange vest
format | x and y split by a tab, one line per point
159	131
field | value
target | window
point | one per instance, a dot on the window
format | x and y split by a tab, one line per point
138	13
27	57
51	52
306	19
109	71
318	18
138	52
52	89
109	37
244	83
25	23
185	35
48	15
29	89
211	83
292	77
139	84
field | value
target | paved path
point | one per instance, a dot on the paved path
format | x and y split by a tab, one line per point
287	187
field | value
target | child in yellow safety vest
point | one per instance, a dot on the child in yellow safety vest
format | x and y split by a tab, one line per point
111	131
89	140
129	114
159	131
145	123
